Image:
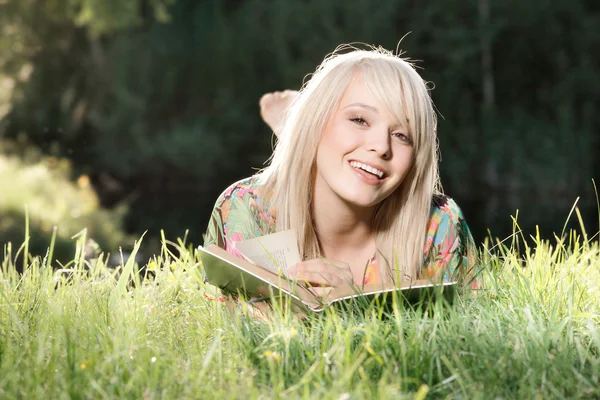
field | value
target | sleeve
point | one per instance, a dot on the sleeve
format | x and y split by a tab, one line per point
228	214
215	230
450	249
234	217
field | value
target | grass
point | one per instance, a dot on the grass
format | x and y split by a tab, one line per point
40	190
90	332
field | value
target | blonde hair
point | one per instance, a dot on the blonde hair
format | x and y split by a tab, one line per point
401	219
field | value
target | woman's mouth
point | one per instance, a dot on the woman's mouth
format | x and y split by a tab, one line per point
368	173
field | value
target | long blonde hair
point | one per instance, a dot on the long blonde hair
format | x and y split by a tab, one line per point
401	219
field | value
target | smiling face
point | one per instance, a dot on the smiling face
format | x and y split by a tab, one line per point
364	152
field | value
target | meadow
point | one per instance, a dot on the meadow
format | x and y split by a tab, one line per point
88	331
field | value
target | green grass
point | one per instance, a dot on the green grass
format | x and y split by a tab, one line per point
90	332
40	195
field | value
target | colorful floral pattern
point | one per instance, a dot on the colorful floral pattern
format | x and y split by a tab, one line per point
449	249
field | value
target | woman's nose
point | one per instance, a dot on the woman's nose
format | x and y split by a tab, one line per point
379	142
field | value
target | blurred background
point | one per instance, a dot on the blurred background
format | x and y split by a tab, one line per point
126	116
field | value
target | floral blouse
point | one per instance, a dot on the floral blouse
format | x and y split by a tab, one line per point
449	247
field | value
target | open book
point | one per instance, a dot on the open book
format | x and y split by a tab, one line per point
263	272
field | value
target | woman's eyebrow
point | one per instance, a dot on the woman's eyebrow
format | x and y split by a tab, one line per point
368	107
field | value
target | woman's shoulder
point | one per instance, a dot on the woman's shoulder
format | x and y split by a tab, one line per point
446	222
444	207
449	248
238	214
243	187
241	200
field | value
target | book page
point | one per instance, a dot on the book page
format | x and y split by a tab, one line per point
274	252
231	273
346	292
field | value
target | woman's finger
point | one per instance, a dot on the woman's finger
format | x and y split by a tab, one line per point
322	278
319	264
341	274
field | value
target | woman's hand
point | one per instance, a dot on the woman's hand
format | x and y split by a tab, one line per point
322	272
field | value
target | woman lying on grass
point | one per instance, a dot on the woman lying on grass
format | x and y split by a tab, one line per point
355	173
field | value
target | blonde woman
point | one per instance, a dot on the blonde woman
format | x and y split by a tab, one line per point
355	173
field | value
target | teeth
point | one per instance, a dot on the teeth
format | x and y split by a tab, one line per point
365	167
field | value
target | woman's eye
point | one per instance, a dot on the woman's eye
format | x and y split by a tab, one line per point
359	120
403	136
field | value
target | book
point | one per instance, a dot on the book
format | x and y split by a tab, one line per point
262	272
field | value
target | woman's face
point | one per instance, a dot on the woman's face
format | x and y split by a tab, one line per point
364	153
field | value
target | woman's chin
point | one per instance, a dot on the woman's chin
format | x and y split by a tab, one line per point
362	202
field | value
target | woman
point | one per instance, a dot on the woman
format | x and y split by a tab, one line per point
355	173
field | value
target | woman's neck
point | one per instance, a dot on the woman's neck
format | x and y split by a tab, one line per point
341	228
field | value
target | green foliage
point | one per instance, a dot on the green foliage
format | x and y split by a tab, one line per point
108	16
42	194
169	110
531	332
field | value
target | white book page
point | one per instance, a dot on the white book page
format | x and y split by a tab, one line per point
274	252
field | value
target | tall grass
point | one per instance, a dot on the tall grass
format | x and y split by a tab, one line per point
87	331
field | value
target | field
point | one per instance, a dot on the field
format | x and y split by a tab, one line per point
86	331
